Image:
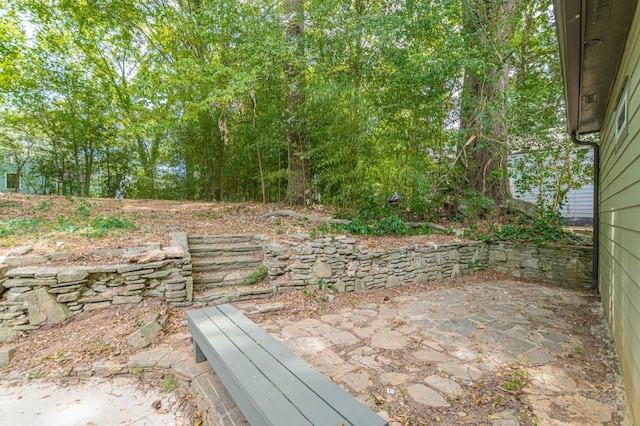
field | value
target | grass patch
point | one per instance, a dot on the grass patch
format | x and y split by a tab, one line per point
101	225
170	383
112	222
18	226
256	276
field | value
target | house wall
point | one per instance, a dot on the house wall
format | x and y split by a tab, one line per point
30	183
620	222
578	207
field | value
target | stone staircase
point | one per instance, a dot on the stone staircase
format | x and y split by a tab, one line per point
221	264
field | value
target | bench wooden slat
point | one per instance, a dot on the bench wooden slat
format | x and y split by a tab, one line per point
270	384
345	404
237	373
310	405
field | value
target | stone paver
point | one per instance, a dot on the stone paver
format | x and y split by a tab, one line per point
392	378
429	356
428	349
389	339
357	380
427	396
445	386
439	345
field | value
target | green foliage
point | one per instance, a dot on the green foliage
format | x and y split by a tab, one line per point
517	380
374	220
138	322
321	290
477	206
112	222
546	227
101	225
194	100
35	374
84	209
373	226
170	383
17	226
45	206
550	170
323	285
256	276
387	225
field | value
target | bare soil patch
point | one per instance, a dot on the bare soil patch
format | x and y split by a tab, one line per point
51	224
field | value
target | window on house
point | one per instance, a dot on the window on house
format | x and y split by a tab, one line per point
12	181
10	159
622	113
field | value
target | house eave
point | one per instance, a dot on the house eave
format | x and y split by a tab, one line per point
592	35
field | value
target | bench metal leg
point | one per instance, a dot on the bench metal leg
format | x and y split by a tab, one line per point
197	352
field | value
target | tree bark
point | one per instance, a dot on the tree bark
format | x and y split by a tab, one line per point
299	164
488	26
263	184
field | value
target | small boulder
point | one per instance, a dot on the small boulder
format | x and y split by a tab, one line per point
322	269
43	307
6	334
146	334
151	256
20	251
5	356
524	207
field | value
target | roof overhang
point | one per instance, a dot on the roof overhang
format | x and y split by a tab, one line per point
592	35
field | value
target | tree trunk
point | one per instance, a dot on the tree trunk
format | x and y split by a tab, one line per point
299	165
488	26
263	184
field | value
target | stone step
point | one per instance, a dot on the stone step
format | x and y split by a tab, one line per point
216	249
220	239
226	263
233	294
221	278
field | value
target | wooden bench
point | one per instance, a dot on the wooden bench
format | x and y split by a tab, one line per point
270	384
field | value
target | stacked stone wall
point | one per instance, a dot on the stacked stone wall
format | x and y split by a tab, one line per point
31	296
34	296
570	266
340	262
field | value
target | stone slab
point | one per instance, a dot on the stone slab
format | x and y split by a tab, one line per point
6	353
443	385
43	308
426	396
145	335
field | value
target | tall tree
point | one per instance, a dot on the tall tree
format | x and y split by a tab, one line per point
299	165
488	30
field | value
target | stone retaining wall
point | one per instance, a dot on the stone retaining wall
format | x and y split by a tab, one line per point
31	296
570	266
34	296
340	262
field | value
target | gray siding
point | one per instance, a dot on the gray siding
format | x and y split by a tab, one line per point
620	223
578	208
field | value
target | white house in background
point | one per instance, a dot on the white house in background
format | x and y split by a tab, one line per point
577	209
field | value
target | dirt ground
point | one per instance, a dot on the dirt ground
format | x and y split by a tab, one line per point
51	224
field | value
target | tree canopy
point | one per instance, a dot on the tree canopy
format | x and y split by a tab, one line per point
340	102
